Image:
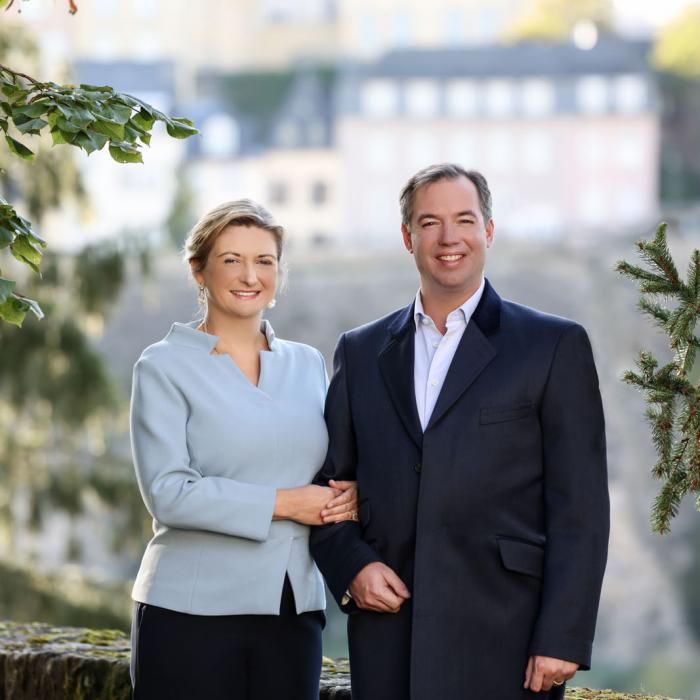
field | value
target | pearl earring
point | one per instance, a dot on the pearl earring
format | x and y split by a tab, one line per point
272	303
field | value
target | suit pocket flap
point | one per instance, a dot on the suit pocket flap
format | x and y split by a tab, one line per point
523	557
500	415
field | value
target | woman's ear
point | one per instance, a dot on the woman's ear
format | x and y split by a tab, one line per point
197	275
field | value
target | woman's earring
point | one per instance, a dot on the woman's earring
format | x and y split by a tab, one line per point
272	303
202	296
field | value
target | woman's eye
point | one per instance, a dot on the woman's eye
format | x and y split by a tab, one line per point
230	260
265	262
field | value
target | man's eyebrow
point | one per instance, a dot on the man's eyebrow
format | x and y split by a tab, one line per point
466	212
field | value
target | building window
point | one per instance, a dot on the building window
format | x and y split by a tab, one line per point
319	193
592	94
537	97
422	149
537	152
220	136
630	94
422	99
461	148
499	151
145	9
381	152
630	152
592	206
591	147
499	98
461	98
380	98
279	192
287	134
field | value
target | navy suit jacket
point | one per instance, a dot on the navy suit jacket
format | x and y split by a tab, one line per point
496	517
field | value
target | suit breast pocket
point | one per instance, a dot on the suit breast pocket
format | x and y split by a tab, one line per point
503	414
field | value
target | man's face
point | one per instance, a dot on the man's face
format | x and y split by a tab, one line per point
448	237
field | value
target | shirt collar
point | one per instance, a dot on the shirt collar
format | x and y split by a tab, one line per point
187	334
466	309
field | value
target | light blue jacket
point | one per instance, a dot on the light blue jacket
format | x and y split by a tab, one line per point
210	450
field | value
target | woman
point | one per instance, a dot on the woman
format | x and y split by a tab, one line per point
227	432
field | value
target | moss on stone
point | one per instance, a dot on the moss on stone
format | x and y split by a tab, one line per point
69	663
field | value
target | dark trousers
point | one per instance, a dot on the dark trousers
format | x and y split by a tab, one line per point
176	656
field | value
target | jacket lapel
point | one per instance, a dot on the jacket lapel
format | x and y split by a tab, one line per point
473	353
396	365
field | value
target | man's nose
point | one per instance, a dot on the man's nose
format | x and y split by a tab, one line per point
449	233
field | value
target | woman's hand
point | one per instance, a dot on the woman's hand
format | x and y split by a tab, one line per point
304	504
343	506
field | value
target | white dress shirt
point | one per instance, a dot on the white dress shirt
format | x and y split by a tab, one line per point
434	351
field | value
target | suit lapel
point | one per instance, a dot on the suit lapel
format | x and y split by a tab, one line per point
473	353
396	365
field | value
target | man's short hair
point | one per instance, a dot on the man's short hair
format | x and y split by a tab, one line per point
443	171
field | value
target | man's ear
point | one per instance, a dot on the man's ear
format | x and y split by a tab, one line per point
489	233
408	243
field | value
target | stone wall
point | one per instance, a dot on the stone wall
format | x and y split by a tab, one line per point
41	662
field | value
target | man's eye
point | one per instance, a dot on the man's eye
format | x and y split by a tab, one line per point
466	221
429	223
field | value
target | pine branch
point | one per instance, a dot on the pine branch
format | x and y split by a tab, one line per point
673	400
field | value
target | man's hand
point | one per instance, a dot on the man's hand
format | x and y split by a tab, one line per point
376	587
543	672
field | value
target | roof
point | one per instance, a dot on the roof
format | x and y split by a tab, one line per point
611	55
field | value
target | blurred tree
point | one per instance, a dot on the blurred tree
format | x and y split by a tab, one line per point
676	55
60	415
181	218
555	20
677	49
88	117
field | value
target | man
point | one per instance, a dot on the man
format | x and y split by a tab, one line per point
474	428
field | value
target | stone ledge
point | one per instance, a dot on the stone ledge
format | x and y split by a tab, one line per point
41	662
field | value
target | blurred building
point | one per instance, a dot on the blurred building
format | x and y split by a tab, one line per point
301	107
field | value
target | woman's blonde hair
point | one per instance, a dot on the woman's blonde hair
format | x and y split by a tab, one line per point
240	212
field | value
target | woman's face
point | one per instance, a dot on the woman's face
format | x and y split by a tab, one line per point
241	271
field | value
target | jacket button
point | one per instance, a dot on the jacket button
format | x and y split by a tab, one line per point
418	467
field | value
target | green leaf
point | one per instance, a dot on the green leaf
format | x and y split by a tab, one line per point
33	126
5	106
143	120
181	128
6	287
34	307
96	88
26	252
68	126
117	113
57	137
13	310
125	153
110	129
7	235
33	110
19	149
